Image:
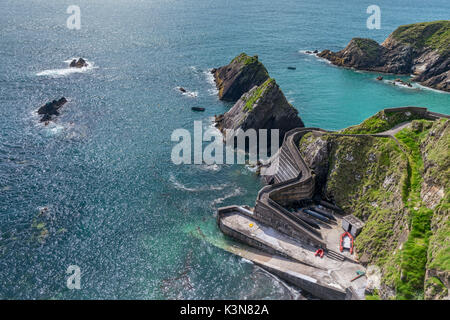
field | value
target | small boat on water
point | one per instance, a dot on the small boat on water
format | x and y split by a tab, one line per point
198	109
292	68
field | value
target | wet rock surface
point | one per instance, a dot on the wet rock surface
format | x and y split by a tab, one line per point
50	109
241	75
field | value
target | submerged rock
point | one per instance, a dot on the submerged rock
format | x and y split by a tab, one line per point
263	107
401	82
422	49
241	75
51	108
80	63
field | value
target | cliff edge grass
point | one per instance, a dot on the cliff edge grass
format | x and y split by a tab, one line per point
399	188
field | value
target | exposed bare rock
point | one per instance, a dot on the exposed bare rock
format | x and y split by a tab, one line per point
241	75
422	49
51	109
80	63
263	107
315	151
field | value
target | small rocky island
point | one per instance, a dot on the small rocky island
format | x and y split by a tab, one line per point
239	76
50	109
260	102
80	63
360	213
421	49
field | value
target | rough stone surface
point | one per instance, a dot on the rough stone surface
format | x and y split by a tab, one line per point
419	49
51	109
263	107
241	75
80	63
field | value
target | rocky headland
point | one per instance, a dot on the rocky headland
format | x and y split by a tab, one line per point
260	102
421	49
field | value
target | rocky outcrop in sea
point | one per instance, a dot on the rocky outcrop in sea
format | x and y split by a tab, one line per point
262	106
50	109
241	75
421	49
80	63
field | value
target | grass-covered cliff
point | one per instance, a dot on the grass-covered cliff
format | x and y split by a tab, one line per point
434	35
399	187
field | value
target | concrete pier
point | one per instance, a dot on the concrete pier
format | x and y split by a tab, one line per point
292	260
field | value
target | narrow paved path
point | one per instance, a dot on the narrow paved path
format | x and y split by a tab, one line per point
396	129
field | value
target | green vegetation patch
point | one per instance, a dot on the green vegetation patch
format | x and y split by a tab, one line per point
382	121
381	181
410	284
245	59
364	178
370	47
256	94
435	34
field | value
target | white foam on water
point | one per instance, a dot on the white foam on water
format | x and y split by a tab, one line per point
178	185
191	94
309	54
414	86
210	79
430	89
246	261
53	129
211	167
55	73
234	193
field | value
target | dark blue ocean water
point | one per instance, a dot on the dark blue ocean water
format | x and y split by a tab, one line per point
117	206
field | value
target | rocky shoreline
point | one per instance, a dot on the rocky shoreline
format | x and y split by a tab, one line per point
420	49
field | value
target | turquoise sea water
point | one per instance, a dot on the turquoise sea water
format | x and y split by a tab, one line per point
117	206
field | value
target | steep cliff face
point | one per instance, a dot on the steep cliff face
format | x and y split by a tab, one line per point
364	176
263	107
241	75
422	49
400	189
435	194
